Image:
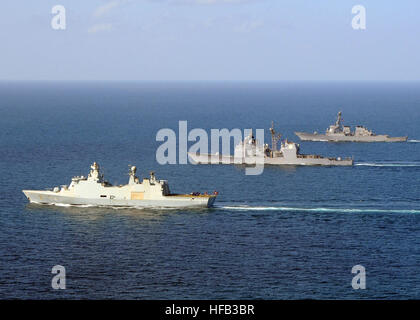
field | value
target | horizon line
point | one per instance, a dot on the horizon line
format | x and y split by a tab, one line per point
201	81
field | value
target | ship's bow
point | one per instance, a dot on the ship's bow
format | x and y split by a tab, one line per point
31	195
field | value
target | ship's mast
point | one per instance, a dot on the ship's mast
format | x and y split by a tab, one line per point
132	173
339	119
274	137
95	173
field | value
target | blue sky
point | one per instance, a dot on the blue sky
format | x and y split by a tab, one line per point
222	40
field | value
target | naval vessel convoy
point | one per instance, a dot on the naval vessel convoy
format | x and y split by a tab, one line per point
339	133
95	190
249	151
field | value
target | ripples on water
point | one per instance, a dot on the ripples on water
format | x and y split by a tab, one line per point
293	232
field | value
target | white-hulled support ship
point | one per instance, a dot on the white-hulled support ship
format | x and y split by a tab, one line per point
94	190
250	151
339	133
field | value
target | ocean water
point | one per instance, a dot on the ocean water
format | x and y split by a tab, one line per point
290	233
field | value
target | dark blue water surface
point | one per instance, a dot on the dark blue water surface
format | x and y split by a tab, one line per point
292	232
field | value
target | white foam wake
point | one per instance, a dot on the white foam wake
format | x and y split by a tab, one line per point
66	205
388	164
318	210
413	141
72	205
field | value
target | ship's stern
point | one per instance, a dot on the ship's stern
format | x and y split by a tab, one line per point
211	201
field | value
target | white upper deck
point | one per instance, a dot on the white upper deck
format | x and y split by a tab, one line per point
95	186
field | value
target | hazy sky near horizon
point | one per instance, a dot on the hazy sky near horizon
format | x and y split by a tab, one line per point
246	40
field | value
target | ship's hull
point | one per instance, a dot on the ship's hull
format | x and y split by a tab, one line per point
348	138
299	161
170	201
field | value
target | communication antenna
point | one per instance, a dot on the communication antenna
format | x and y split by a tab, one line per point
275	137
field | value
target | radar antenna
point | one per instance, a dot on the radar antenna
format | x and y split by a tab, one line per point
275	137
132	173
132	170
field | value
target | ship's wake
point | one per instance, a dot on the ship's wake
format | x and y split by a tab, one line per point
317	210
252	208
388	164
413	141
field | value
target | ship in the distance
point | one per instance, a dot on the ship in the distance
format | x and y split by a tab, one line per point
95	190
250	151
339	133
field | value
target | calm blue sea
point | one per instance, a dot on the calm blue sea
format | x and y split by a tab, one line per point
290	233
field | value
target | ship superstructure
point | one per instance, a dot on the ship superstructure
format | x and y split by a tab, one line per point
339	133
250	151
95	190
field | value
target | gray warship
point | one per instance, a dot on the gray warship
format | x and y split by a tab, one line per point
339	133
94	190
250	151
